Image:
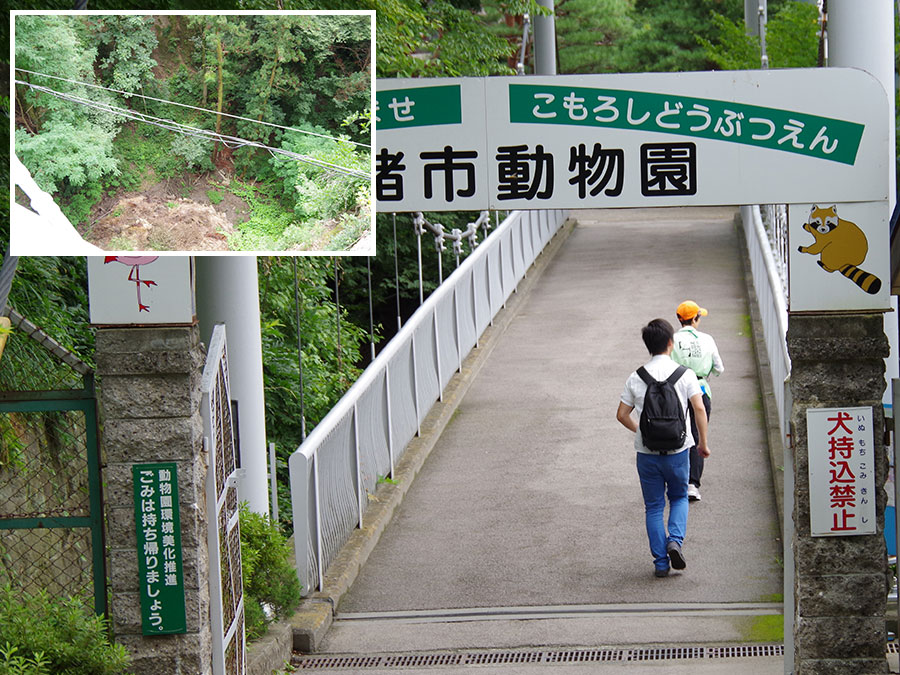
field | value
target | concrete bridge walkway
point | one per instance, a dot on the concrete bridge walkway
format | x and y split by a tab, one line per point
524	530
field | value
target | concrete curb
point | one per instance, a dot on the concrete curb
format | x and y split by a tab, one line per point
766	386
272	651
312	621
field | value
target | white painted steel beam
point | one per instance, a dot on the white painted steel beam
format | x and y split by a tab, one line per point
228	292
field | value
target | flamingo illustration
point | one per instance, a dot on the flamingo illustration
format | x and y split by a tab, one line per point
135	262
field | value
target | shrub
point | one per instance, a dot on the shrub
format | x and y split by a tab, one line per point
315	191
194	151
12	663
271	587
57	635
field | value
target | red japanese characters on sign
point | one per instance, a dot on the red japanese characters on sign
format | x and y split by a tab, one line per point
841	471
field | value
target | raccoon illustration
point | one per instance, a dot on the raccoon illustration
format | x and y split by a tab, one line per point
840	245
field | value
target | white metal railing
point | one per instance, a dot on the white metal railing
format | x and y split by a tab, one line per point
768	268
362	437
226	590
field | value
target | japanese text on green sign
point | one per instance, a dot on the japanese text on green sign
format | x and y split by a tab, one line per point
159	548
800	133
418	107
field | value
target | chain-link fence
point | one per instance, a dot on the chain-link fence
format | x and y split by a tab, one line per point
51	535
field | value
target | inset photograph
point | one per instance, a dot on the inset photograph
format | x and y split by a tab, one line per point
191	133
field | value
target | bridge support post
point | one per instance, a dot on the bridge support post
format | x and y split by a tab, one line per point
150	405
840	583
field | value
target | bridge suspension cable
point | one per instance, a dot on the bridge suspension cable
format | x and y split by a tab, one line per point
232	142
185	105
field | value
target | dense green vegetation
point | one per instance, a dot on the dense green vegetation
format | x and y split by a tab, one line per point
311	73
271	587
40	635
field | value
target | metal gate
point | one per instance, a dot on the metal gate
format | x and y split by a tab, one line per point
226	589
51	510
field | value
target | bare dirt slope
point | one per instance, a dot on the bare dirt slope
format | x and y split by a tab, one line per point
156	219
148	223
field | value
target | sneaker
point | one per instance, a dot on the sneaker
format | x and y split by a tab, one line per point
675	555
693	493
661	572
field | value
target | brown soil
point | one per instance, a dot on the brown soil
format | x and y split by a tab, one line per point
156	218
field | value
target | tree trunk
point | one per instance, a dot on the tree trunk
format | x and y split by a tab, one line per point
203	71
271	81
219	59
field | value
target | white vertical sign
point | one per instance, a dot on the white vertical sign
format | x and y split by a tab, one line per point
841	471
141	289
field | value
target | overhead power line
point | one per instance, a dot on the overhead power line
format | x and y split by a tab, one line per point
232	142
191	107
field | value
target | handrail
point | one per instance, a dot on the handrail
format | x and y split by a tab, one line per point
772	306
363	435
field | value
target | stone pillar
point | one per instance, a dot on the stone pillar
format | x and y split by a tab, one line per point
150	410
840	583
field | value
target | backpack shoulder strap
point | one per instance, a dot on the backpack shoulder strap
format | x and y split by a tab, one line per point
675	376
645	376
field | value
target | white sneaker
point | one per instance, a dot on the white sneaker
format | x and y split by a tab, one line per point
693	493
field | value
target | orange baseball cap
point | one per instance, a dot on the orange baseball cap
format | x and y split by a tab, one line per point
689	309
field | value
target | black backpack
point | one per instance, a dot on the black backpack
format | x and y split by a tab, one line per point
662	419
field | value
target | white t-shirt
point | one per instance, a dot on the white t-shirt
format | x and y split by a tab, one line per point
660	367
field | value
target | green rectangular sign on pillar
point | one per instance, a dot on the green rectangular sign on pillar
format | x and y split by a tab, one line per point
159	548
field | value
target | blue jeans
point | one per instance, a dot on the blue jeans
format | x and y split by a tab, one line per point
663	475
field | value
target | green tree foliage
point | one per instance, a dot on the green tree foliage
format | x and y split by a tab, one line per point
330	350
50	44
126	45
64	146
64	155
589	33
59	632
733	49
791	40
271	587
428	39
52	293
194	151
665	39
314	190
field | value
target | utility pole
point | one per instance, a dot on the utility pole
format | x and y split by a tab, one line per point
545	41
751	15
756	15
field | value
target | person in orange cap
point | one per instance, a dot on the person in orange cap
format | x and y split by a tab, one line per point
697	351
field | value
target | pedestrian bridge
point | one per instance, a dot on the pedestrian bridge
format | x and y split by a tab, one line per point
524	525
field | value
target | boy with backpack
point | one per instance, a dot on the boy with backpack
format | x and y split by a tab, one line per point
660	392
